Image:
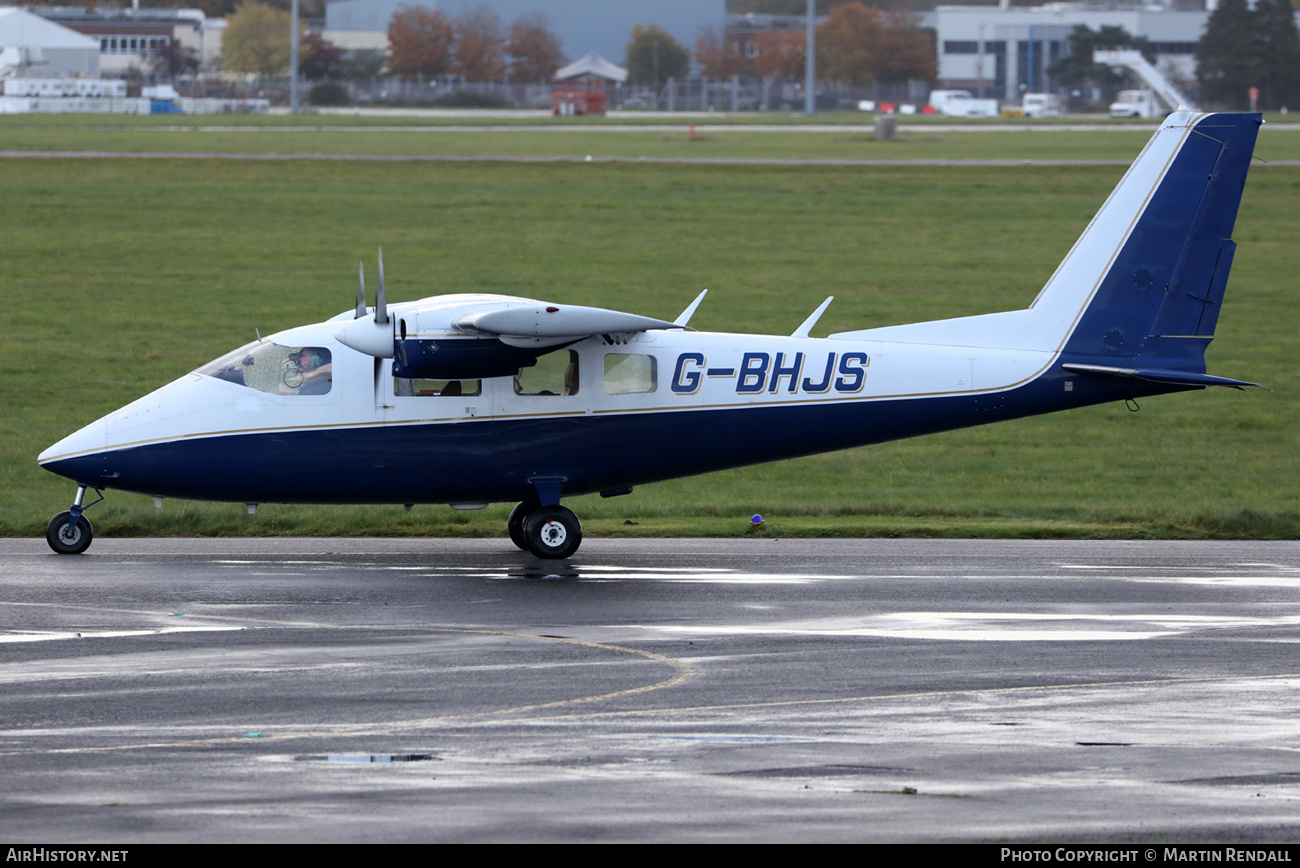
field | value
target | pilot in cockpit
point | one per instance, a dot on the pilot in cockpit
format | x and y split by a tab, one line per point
309	371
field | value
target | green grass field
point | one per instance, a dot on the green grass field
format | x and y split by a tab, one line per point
119	276
406	136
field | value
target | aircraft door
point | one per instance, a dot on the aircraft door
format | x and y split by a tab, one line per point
383	409
543	414
437	436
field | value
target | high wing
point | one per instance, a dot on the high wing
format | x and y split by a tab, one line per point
478	336
548	325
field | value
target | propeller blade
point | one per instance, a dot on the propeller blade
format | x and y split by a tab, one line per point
381	301
361	291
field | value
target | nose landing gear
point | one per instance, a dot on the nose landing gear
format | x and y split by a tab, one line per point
69	533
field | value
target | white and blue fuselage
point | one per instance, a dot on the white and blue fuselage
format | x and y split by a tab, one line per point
471	399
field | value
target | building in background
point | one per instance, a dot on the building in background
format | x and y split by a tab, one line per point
126	37
1004	52
32	47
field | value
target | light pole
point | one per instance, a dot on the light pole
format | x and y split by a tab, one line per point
293	59
809	66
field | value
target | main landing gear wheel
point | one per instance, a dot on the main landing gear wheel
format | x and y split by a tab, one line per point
67	537
518	519
552	532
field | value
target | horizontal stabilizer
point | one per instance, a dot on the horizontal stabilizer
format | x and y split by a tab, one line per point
1158	375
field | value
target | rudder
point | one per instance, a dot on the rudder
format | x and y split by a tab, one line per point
1159	300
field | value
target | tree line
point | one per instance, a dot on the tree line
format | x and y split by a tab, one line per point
856	44
423	43
1245	48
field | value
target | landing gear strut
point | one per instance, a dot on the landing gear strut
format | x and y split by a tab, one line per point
69	533
547	531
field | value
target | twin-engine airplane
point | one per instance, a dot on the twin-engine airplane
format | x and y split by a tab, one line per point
473	399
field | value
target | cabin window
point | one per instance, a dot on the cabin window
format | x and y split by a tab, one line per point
276	369
629	374
403	387
552	374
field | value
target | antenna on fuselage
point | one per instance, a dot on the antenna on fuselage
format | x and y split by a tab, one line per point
686	315
804	330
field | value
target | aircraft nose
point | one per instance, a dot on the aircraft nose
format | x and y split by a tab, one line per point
80	455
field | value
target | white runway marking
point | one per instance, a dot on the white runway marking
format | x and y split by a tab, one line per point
993	626
51	635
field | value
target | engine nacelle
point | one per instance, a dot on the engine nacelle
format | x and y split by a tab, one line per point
471	337
462	358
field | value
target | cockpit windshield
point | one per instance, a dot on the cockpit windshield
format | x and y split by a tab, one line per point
274	368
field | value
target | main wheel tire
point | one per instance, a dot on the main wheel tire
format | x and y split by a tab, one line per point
552	532
67	538
517	522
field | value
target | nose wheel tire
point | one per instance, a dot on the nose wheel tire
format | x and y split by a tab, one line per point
66	537
552	532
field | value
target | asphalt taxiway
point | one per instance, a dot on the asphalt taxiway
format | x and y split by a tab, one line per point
658	690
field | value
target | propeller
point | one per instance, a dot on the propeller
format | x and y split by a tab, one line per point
361	290
381	301
372	338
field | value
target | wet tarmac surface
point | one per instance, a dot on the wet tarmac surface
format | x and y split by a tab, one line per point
657	690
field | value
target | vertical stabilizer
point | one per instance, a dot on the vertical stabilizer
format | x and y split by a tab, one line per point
1147	277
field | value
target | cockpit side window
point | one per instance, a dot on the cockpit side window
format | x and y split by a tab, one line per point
275	369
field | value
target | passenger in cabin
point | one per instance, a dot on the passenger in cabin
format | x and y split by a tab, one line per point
552	374
520	388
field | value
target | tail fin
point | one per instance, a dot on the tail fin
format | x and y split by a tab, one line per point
1145	281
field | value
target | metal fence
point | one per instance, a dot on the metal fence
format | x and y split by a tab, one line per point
694	95
691	95
129	105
